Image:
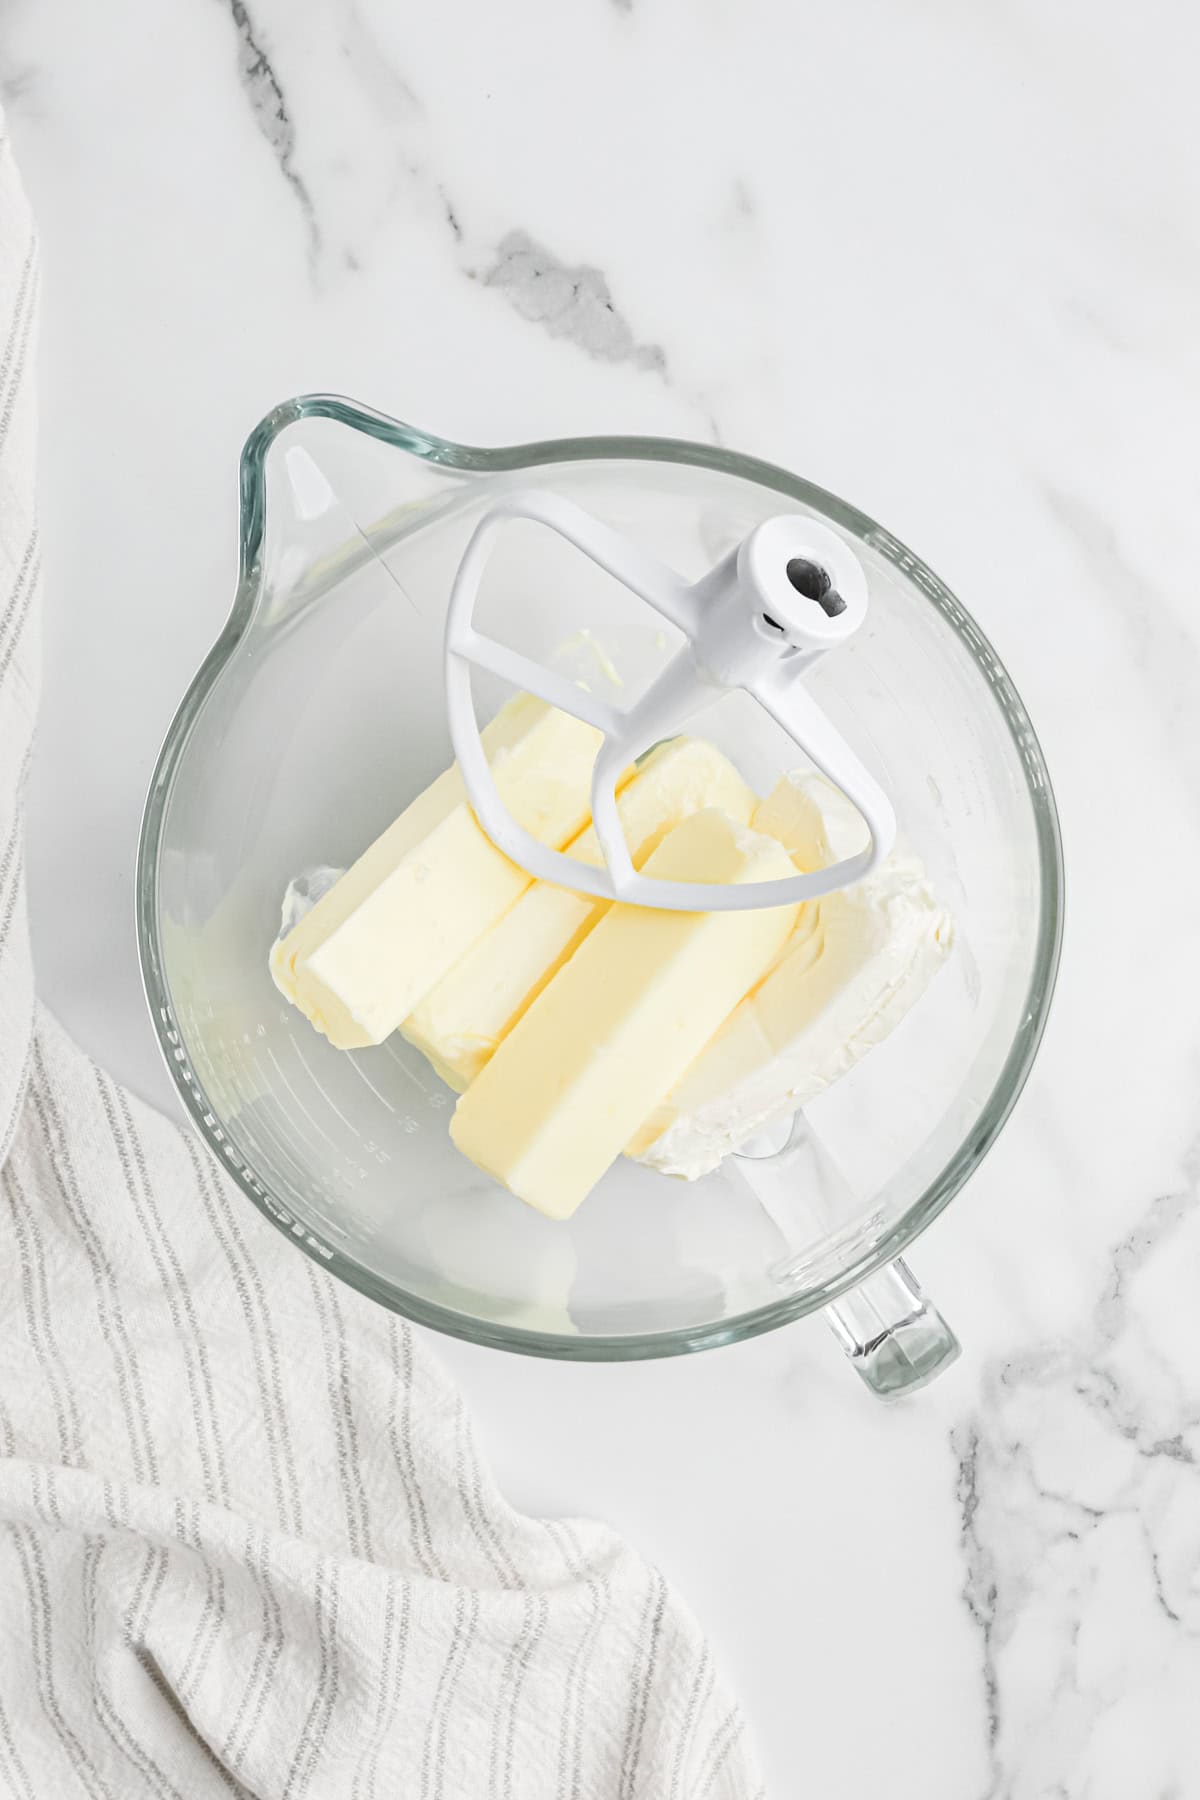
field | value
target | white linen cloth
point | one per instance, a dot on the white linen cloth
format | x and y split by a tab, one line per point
246	1544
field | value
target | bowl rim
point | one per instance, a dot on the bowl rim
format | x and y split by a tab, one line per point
472	460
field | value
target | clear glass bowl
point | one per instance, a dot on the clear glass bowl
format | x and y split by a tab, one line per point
318	715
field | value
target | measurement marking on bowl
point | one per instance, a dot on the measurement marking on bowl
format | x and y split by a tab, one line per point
264	1129
304	1114
325	1097
292	1122
260	1076
363	1076
412	1076
302	1136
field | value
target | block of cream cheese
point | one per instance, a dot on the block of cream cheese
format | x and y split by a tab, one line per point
613	1032
460	1022
371	948
857	961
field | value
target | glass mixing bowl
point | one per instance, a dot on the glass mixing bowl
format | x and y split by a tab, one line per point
319	714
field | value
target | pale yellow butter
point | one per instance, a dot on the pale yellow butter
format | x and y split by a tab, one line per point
460	1022
368	952
621	1021
856	963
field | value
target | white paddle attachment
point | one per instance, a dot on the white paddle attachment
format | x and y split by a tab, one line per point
789	593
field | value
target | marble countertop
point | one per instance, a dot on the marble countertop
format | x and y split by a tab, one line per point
945	261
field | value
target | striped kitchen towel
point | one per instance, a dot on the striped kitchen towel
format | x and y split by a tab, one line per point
247	1545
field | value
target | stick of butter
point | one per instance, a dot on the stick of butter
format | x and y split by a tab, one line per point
460	1022
612	1033
857	961
402	916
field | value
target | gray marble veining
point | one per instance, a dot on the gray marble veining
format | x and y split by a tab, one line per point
1079	1490
260	85
574	303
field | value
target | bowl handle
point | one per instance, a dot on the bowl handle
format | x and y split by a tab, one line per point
895	1338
